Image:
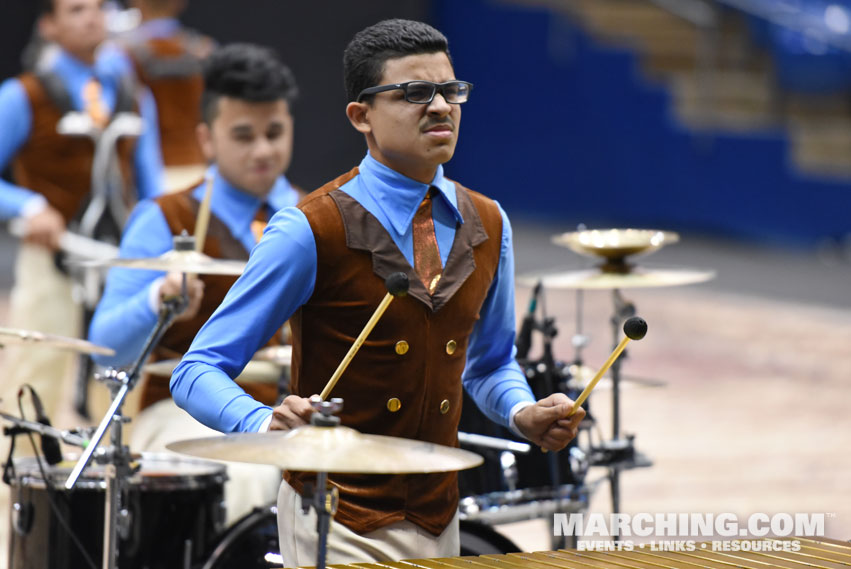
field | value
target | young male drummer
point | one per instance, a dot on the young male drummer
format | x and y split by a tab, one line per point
325	262
247	134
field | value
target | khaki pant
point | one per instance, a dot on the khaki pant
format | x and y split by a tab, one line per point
401	540
40	301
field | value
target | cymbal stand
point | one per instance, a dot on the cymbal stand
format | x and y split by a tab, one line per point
322	498
623	309
579	340
117	457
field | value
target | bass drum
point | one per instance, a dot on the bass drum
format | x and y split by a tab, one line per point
252	542
174	506
481	539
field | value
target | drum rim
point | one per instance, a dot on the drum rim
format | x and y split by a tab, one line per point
30	477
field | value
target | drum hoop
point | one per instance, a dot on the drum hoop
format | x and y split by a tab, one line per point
237	530
28	475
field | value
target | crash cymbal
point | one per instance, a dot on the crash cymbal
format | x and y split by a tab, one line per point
12	336
637	277
179	261
264	367
615	244
580	376
254	372
331	449
281	355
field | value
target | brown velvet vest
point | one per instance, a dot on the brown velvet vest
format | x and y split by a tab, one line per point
58	166
171	68
181	210
354	255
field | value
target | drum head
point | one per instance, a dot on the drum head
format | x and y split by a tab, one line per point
157	471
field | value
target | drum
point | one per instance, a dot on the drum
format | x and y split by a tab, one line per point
174	506
510	487
480	539
252	542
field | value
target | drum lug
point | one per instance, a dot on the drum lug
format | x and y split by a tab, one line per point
124	521
508	463
220	514
22	517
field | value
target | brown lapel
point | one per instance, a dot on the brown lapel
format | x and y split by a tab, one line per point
365	232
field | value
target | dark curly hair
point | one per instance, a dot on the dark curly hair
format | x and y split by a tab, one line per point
364	57
247	72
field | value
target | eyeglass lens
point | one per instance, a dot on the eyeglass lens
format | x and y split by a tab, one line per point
423	91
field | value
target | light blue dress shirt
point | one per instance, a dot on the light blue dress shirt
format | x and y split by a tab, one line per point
124	316
16	124
280	277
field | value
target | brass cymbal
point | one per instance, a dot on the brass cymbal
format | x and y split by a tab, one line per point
179	261
636	277
264	367
254	372
331	449
12	336
613	244
580	376
281	355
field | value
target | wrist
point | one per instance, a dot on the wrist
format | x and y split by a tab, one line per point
512	424
154	295
34	206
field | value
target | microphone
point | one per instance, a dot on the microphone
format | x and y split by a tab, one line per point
524	337
49	445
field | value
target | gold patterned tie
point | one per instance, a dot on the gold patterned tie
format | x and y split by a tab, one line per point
261	219
426	254
93	102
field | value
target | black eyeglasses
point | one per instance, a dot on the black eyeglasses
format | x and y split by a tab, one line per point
422	92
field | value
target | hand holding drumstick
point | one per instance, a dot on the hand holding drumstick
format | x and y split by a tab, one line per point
553	421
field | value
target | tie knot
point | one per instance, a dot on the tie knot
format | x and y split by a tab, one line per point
432	191
93	102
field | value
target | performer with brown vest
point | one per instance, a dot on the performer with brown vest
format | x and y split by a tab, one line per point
53	181
168	58
247	134
324	264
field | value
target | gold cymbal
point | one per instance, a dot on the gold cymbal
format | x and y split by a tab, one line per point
179	261
615	244
254	372
331	449
12	336
580	376
637	277
281	355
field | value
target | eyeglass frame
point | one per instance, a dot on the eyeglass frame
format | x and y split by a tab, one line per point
437	88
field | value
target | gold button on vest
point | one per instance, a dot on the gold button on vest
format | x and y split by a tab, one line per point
450	347
444	407
401	347
393	404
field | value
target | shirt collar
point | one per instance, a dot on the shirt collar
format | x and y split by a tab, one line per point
158	28
399	196
232	203
65	63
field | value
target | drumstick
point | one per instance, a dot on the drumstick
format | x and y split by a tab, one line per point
397	285
202	222
635	328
